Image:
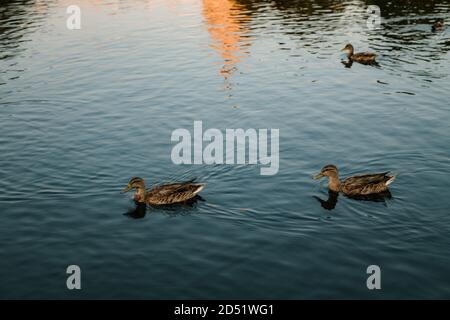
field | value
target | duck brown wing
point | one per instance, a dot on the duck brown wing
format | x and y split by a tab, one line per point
364	57
173	193
367	178
366	184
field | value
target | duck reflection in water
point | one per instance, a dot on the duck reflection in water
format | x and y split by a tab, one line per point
347	63
140	209
332	200
138	212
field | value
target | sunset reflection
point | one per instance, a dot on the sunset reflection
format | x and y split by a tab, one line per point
227	23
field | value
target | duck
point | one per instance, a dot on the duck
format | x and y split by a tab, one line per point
438	25
355	186
362	57
164	194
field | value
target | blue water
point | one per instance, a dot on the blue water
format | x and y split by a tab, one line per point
82	111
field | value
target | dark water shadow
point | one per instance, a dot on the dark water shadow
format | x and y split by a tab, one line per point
349	63
403	38
330	203
17	19
140	210
176	207
377	197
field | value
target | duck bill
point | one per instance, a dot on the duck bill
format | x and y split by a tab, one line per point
128	188
318	176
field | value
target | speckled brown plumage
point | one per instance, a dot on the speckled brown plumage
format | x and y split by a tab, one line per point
164	194
366	184
356	185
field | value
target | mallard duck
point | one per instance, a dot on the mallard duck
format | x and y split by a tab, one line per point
363	57
438	25
357	185
164	194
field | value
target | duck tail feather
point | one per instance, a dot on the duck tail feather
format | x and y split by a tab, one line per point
390	180
200	187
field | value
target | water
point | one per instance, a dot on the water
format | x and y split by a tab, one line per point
82	111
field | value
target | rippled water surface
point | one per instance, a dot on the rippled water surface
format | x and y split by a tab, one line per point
82	111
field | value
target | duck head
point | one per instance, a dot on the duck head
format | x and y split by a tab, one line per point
138	184
438	25
348	49
331	172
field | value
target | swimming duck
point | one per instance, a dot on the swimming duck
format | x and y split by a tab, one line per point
164	194
363	57
357	185
438	25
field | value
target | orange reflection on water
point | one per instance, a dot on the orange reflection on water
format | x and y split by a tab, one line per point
227	24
